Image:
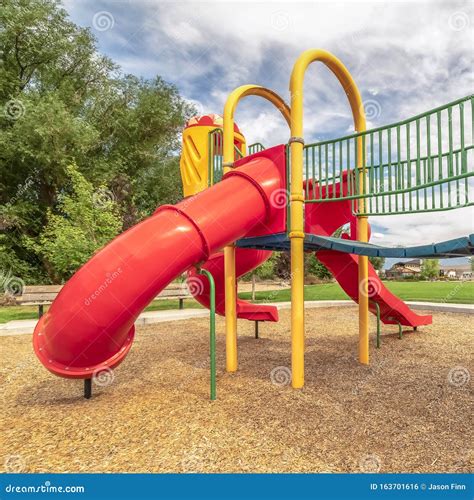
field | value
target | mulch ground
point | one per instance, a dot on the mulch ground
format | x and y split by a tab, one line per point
409	411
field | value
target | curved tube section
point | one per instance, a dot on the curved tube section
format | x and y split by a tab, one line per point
245	261
89	326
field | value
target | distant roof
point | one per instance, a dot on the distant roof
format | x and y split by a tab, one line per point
413	262
456	267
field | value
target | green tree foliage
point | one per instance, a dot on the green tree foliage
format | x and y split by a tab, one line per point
267	270
63	103
377	262
313	266
430	269
85	219
316	268
282	265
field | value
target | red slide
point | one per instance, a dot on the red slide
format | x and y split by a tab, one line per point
245	261
325	218
90	325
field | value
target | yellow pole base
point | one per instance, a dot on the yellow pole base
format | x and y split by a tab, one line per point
230	309
297	312
363	271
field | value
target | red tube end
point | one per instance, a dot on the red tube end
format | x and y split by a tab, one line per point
40	345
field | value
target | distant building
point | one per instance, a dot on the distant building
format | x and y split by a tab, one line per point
459	271
409	269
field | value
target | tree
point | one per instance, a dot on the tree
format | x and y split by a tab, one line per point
282	265
377	262
64	103
430	269
85	219
316	268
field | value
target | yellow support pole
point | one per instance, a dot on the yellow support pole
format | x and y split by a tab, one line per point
297	201
363	260
229	251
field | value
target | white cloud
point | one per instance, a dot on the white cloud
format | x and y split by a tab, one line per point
407	57
423	229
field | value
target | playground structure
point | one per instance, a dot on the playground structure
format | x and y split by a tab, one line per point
288	197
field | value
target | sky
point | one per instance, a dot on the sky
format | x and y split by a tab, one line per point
406	58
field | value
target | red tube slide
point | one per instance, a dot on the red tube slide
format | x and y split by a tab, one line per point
245	261
90	325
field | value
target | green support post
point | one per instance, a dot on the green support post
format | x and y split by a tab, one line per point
212	332
377	308
400	330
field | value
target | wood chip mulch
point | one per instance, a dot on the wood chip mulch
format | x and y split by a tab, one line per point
409	411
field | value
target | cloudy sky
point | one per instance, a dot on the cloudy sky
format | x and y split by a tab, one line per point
406	57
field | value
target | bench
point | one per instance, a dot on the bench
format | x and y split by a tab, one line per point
175	291
43	295
38	295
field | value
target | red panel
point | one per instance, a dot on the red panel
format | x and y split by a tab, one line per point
325	218
279	198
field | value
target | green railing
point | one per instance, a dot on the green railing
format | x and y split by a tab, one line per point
215	150
255	148
422	164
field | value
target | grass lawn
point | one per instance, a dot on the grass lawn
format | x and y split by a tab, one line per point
31	312
460	292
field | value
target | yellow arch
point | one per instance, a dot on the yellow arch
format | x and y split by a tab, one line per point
297	204
229	252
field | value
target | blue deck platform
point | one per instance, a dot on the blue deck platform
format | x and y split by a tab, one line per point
457	247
